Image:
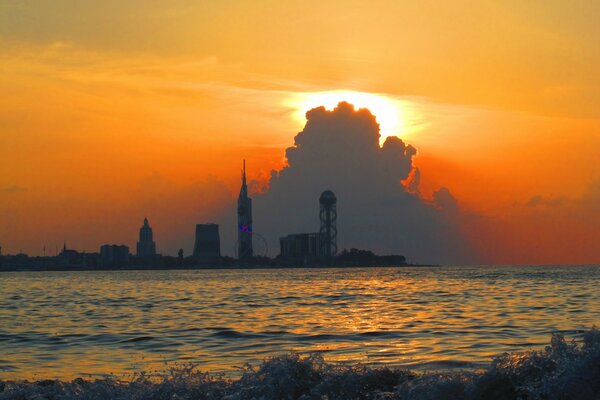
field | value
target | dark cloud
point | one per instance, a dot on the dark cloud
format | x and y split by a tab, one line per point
546	229
444	200
339	150
413	182
539	200
13	189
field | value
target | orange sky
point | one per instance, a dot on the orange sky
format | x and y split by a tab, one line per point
109	109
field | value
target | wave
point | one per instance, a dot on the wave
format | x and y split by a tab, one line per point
562	370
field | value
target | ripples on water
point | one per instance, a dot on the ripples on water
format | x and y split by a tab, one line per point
67	324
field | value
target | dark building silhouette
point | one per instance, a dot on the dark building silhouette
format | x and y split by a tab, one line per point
114	255
321	246
301	247
69	256
363	258
244	211
207	246
146	247
328	219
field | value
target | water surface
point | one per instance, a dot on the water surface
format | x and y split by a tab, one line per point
68	324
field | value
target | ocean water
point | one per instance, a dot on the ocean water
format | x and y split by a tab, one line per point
70	324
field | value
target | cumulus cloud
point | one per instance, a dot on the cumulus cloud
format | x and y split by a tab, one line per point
413	182
339	150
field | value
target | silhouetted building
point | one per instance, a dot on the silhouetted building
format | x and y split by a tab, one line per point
114	255
207	246
68	257
314	247
244	249
301	247
180	257
328	219
146	247
365	258
91	260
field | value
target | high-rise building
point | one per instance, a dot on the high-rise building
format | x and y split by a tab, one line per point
207	246
245	251
146	247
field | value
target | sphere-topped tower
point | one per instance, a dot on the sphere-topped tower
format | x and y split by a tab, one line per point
328	219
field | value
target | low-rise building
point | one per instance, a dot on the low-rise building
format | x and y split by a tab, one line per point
302	247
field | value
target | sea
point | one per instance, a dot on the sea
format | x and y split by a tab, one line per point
64	325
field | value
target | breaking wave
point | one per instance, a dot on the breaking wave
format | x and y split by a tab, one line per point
563	370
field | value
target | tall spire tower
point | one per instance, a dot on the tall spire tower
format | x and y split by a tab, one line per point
245	252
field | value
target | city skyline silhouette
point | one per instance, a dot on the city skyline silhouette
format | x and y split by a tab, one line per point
300	200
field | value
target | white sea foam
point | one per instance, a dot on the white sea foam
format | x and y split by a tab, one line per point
563	370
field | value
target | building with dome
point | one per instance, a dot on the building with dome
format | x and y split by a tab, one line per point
146	247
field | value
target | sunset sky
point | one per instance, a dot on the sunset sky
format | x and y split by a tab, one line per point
116	110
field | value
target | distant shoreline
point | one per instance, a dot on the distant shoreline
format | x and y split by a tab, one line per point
267	267
203	267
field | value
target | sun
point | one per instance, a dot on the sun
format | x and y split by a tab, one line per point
391	113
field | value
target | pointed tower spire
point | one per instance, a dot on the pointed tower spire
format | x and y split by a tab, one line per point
244	188
244	172
244	222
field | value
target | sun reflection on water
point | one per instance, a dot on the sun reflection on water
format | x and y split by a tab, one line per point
64	325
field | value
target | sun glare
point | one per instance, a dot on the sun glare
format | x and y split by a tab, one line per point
391	114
